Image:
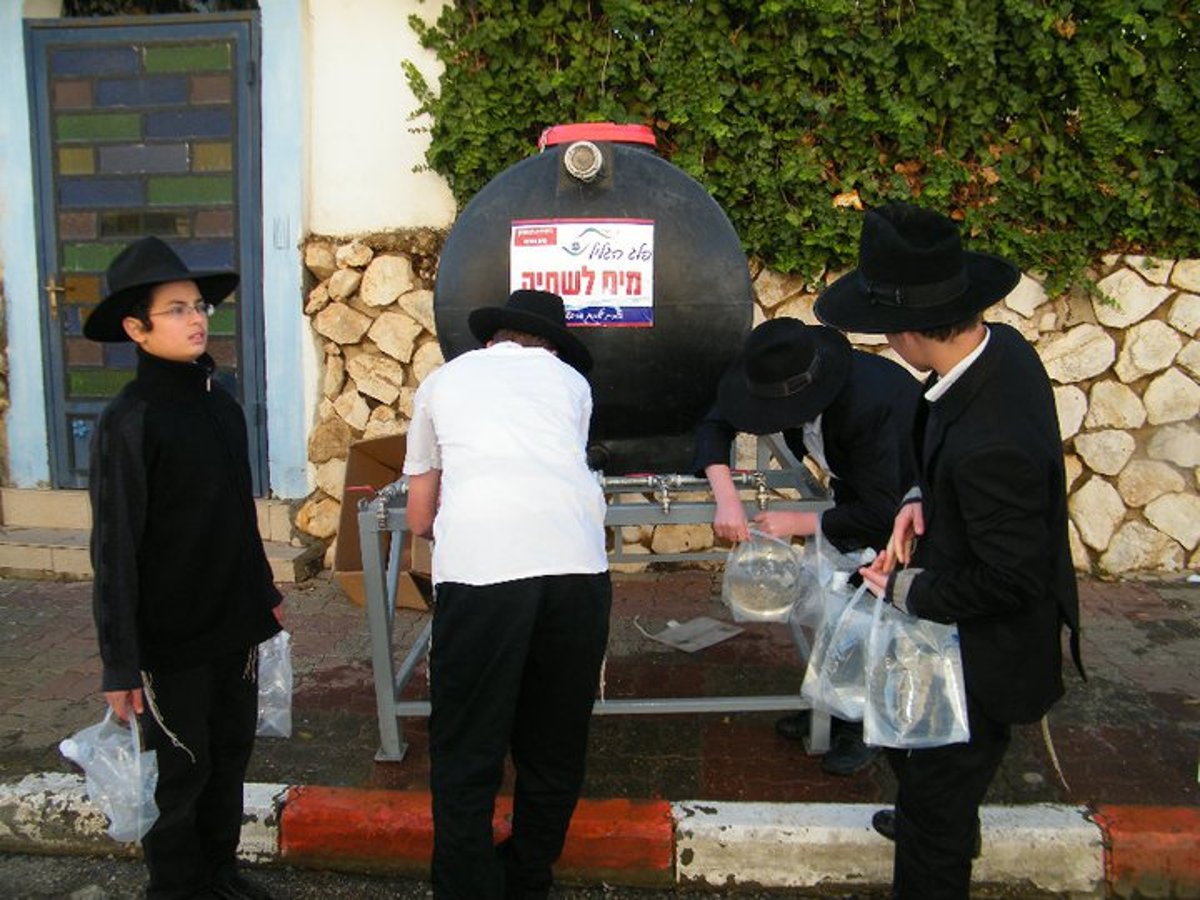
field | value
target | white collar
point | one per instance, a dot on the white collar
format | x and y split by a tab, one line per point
944	383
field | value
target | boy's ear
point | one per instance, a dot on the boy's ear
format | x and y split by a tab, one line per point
135	328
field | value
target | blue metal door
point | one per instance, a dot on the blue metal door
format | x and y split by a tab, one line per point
143	126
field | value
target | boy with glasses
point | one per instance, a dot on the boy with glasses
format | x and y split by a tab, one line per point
183	593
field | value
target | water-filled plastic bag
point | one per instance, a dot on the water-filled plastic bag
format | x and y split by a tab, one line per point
916	696
763	578
836	677
120	777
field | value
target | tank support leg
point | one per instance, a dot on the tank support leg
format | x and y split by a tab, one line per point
376	579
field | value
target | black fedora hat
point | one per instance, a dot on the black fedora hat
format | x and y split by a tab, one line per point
136	269
913	274
539	313
787	373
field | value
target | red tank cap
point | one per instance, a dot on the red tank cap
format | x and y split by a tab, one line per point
597	131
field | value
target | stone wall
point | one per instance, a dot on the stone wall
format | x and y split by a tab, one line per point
372	309
1124	360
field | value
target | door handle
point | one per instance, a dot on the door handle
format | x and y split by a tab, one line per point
53	289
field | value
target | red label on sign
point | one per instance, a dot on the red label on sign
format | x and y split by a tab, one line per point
540	236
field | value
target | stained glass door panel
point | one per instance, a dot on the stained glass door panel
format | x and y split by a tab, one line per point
146	126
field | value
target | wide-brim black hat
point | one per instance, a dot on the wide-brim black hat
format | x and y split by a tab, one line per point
136	269
913	274
539	313
786	375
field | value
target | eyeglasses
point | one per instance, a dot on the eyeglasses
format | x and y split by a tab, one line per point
181	311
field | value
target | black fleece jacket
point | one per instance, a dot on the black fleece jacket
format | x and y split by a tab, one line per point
180	572
865	429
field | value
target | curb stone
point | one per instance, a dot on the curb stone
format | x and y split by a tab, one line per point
1053	848
1112	851
627	841
262	805
50	813
1152	851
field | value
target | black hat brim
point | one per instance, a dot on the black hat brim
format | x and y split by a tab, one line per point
753	414
486	321
104	322
847	306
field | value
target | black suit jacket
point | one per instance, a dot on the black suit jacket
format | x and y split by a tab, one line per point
994	557
865	430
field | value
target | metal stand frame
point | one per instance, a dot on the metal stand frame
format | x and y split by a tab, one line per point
384	516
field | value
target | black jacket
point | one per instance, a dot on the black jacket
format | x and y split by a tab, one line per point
180	572
995	557
865	430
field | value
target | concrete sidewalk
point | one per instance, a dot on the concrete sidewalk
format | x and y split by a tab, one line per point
1127	742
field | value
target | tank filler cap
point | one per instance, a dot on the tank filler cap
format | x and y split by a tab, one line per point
583	160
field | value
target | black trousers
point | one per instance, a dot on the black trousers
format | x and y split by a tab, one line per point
514	667
937	810
212	710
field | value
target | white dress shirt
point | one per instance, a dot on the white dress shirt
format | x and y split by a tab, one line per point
507	426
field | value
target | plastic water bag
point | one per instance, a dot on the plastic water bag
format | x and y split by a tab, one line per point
916	696
763	577
120	777
836	677
275	686
827	561
826	587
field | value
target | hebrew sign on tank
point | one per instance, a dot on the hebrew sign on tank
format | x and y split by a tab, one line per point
602	268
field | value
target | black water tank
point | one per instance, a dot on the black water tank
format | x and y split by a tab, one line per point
598	235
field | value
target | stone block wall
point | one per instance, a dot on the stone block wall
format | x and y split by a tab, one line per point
1124	359
372	309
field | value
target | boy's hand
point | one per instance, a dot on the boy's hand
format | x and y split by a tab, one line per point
875	576
909	525
277	609
781	524
124	701
730	520
729	523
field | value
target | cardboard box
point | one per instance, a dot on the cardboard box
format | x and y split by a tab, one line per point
371	465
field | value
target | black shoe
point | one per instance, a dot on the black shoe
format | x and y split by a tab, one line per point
848	754
794	727
236	886
884	822
514	888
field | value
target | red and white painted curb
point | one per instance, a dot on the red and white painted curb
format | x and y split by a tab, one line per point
1114	851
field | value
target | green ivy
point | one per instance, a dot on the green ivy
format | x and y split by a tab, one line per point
1054	130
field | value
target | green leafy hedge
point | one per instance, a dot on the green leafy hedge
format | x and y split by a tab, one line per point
1055	130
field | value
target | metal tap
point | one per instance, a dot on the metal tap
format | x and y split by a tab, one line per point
662	492
761	497
383	500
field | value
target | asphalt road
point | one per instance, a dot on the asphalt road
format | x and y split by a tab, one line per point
109	878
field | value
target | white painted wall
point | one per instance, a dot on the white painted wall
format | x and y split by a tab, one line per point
28	459
363	150
291	360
